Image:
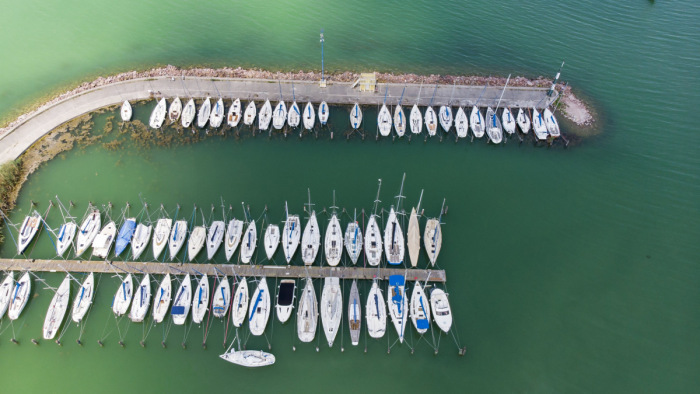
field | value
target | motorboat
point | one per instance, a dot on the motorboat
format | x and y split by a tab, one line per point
65	237
88	231
431	121
384	121
375	310
177	238
353	241
354	314
126	233
249	114
416	120
204	113
333	242
445	116
6	289
523	121
122	299
28	230
310	240
398	303
356	116
221	298
200	301
331	308
493	127
158	115
181	304
394	244
104	240
196	242
20	295
461	123
233	237
432	239
217	114
142	300
294	115
551	122
279	116
373	242
272	240
538	125
285	299
57	309
508	121
126	111
239	303
476	121
161	235
413	238
399	121
420	309
309	117
214	238
442	314
188	114
307	314
265	116
249	358
291	234
142	236
161	301
175	110
259	309
248	243
83	299
323	112
234	113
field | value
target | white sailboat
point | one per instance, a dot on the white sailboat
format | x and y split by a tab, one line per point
311	240
373	242
291	234
265	116
57	309
333	242
161	301
20	296
272	239
142	300
279	116
204	113
523	121
323	112
122	299
420	309
285	299
431	121
141	237
493	127
239	303
393	240
175	110
29	228
126	111
217	114
331	308
476	121
158	114
196	241
200	301
307	315
375	310
398	303
354	314
83	299
399	121
248	243
413	237
181	305
6	289
104	240
538	125
188	113
248	358
88	230
259	309
294	115
356	116
65	237
445	117
250	113
221	298
214	238
442	314
384	121
353	241
309	116
508	121
416	120
551	122
161	235
461	123
234	113
432	239
177	238
233	237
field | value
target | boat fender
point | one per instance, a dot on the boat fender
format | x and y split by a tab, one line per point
34	341
163	344
14	341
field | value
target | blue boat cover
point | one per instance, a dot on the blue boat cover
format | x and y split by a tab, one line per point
178	310
124	237
255	307
422	324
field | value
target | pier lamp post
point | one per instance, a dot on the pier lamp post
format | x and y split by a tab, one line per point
323	79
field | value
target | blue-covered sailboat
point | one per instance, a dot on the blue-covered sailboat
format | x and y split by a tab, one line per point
125	235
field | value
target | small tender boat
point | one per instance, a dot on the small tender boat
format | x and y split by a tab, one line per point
493	127
398	303
307	315
177	238
188	114
461	123
311	240
442	314
175	110
65	237
20	296
523	121
161	301
373	242
309	116
476	121
272	239
294	115
88	230
204	113
331	308
413	238
508	121
126	111
399	121
323	112
233	237
356	116
57	309
141	237
239	303
431	121
384	121
221	298
30	226
217	114
432	239
291	236
158	114
181	305
285	299
354	314
551	122
248	243
214	238
142	300
353	241
122	299
104	240
259	309
420	309
83	299
249	358
196	242
249	114
200	302
333	242
279	116
6	289
416	120
265	116
445	117
538	125
234	113
126	233
393	240
161	235
375	311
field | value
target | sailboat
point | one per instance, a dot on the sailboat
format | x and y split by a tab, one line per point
222	298
311	240
196	241
285	299
416	120
430	121
476	121
234	113
57	309
393	240
217	114
309	116
141	237
375	311
83	299
177	238
104	240
333	242
323	112
356	116
249	114
20	296
204	113
373	236
307	315
551	122
461	123
413	234
65	237
291	234
126	111
420	309
508	121
161	235
433	239
125	235
161	302
384	121
493	127
279	116
331	308
248	358
142	300
353	241
239	304
538	125
214	238
188	114
233	237
445	117
122	299
88	230
30	226
523	121
442	314
259	309
398	303
181	305
6	289
354	314
272	239
250	240
158	114
200	302
294	116
265	116
175	110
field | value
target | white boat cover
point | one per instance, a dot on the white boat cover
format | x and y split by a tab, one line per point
307	314
57	309
331	308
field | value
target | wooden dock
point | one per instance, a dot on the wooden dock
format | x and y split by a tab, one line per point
278	271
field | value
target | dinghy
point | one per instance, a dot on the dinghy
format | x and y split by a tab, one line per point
432	239
30	226
6	289
333	243
493	127
249	358
373	242
290	235
294	116
323	112
104	240
126	233
88	230
551	122
239	304
416	120
331	308
259	309
399	121
442	314
57	309
161	302
200	302
177	238
307	315
413	237
196	242
221	298
279	116
398	303
523	121
141	237
375	310
461	123
384	121
250	240
538	125
234	113
142	300
430	121
160	236
265	116
476	121
214	238
508	121
122	299
217	114
204	113
175	110
354	314
445	115
356	116
233	237
420	309
126	111
20	296
272	239
158	114
285	299
249	114
83	299
353	241
393	240
309	116
65	237
188	114
311	240
181	305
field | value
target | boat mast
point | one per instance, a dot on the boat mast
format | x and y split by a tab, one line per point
502	92
400	196
377	201
333	207
309	204
419	201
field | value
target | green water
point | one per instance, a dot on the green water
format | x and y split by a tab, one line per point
568	270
